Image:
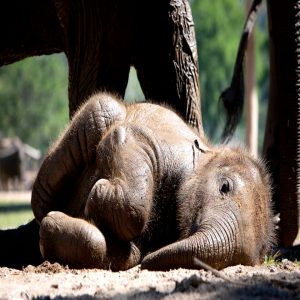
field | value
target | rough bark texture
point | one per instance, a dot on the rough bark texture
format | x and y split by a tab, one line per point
281	145
102	38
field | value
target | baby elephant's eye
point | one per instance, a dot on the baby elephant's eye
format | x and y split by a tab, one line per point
226	186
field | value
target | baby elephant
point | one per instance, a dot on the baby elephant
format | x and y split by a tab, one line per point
130	184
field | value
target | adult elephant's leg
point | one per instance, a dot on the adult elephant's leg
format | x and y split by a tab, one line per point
281	145
98	41
20	246
166	57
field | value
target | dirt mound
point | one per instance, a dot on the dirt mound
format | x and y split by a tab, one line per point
46	268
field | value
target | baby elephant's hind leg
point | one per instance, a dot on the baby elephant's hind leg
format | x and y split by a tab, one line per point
79	244
120	203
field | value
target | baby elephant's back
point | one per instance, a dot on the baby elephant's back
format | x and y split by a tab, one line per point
149	133
163	122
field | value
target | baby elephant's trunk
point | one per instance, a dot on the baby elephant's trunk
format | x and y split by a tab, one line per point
217	243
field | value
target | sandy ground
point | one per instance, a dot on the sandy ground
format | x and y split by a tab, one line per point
52	281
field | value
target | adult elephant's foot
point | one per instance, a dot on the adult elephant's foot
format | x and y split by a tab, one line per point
79	244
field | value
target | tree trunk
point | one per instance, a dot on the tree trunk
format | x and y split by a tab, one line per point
281	144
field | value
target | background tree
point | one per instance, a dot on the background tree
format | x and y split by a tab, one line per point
33	99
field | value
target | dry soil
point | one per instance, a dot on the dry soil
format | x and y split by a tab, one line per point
53	281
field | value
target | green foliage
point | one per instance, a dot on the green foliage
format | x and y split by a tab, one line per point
272	259
276	259
218	28
133	91
33	99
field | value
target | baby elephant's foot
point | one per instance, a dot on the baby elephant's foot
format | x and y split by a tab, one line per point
72	241
109	206
100	198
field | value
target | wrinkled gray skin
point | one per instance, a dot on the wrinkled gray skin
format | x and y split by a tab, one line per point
134	184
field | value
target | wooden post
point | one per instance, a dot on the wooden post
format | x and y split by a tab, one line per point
250	93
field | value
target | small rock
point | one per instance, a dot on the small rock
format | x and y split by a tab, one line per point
272	270
188	283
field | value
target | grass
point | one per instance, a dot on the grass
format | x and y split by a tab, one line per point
14	213
297	262
272	259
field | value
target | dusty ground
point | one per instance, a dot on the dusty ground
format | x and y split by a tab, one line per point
277	281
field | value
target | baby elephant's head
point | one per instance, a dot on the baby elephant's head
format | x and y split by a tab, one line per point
224	214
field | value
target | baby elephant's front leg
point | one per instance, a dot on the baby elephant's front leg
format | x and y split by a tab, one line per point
115	206
121	204
79	244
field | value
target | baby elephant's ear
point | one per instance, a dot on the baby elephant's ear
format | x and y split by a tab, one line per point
73	152
201	146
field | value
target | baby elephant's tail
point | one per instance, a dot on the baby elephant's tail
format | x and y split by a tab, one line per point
20	247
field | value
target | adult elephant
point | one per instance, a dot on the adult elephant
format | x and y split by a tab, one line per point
281	144
103	38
